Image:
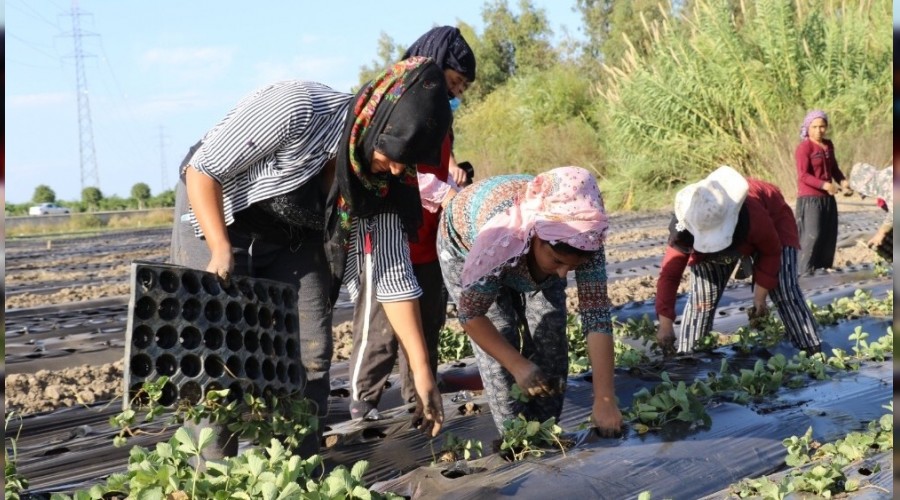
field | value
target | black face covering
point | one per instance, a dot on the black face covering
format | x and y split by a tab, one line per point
405	116
408	129
448	48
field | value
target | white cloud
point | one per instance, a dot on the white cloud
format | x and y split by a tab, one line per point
163	105
188	63
184	56
318	69
43	100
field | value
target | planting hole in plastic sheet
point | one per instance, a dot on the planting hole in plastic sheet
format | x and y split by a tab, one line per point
184	324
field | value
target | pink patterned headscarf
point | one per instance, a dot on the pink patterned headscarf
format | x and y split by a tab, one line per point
807	121
562	205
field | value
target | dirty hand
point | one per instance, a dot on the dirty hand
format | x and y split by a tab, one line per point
429	414
759	310
665	338
845	188
222	264
756	313
532	380
876	240
606	418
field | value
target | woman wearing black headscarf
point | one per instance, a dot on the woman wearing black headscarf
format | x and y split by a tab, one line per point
448	48
375	347
257	184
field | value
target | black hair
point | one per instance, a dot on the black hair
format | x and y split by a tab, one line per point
469	170
568	249
684	241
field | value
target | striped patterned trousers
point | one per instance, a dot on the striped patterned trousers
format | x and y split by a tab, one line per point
708	280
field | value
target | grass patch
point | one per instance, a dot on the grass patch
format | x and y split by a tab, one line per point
88	223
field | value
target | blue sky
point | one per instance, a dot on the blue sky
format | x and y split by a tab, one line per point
161	73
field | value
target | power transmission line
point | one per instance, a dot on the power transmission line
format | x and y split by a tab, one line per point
87	153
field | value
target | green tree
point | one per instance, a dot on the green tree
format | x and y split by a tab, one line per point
43	194
512	44
611	26
532	123
91	197
141	193
115	202
389	52
164	199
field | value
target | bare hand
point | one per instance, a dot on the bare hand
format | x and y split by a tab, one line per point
845	188
221	264
458	175
760	309
606	418
429	414
532	381
876	240
830	187
755	314
665	338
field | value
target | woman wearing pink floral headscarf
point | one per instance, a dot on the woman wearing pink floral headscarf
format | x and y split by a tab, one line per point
506	245
818	176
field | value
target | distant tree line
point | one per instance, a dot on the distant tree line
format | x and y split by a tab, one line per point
658	93
93	200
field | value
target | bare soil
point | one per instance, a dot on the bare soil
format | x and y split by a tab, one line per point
50	390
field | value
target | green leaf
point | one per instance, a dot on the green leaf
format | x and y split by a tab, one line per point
532	428
268	490
648	416
185	441
289	491
359	469
206	437
256	464
155	493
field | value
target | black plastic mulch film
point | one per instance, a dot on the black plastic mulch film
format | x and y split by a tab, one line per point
185	324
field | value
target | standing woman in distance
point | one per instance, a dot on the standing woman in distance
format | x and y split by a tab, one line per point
818	178
253	202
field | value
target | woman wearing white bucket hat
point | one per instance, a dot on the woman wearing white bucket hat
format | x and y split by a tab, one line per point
718	221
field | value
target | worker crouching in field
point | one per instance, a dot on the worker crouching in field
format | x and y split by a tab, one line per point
868	181
506	245
717	222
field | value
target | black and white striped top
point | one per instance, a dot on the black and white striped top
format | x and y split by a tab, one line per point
392	277
273	141
278	138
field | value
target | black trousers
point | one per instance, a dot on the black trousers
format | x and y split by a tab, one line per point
375	345
303	265
817	221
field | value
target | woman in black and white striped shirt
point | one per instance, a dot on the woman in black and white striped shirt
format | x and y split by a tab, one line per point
260	185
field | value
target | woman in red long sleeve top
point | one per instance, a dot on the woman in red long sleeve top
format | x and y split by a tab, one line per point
818	176
764	229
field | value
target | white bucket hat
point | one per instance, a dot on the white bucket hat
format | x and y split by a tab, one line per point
709	209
